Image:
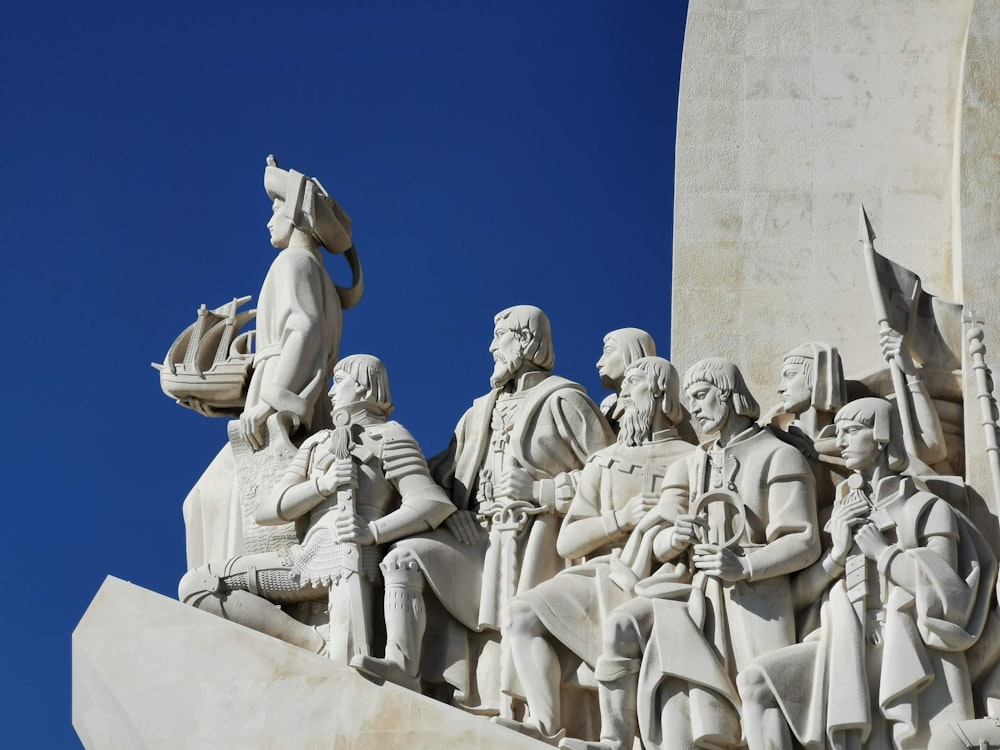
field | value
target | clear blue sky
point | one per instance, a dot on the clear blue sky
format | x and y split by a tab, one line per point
489	153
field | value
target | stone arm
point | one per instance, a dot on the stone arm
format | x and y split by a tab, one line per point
928	440
675	498
295	494
792	531
588	525
939	535
423	504
570	430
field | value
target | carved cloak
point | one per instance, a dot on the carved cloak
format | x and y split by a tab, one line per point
299	323
923	678
701	640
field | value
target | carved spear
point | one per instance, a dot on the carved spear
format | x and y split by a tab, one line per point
987	404
866	236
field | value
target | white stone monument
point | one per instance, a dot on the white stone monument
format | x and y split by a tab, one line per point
820	571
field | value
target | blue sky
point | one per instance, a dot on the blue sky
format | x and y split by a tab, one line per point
489	154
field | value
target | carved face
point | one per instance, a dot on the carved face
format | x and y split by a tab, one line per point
279	226
794	388
709	405
508	354
857	444
638	399
611	365
346	391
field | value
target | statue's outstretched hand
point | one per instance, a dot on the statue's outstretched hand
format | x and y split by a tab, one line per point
351	527
718	562
463	526
894	349
253	422
341	474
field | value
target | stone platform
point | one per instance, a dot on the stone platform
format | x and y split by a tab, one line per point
149	672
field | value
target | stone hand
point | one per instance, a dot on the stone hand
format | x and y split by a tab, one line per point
516	484
202	408
341	474
718	562
893	348
634	511
463	526
351	527
871	541
252	425
683	532
846	515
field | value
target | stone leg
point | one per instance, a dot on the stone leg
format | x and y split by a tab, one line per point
763	723
247	590
537	665
625	635
405	621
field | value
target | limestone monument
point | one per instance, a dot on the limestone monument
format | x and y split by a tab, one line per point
820	574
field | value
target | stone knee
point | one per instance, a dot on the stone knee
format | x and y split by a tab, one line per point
522	620
620	638
198	584
754	688
401	568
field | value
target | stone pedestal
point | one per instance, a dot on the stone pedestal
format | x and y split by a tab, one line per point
149	672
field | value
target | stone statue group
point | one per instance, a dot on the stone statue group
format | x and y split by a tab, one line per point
588	575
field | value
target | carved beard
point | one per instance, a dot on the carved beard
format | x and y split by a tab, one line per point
637	422
504	369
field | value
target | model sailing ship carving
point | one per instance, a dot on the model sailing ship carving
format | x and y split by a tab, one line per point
208	366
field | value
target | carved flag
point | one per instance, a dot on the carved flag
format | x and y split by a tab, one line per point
931	326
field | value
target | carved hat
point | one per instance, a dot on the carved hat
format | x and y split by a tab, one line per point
825	371
308	206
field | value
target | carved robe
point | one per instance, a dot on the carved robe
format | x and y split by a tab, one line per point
705	633
299	323
550	431
573	605
900	675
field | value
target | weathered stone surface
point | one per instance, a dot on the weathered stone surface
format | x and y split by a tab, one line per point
149	672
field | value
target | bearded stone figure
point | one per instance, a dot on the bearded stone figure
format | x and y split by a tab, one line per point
558	624
512	465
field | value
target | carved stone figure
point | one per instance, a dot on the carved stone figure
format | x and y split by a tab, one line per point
691	635
908	583
299	308
621	348
360	485
512	463
559	621
812	388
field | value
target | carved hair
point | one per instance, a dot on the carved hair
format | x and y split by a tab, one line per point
825	372
521	318
666	385
882	417
371	375
633	343
725	376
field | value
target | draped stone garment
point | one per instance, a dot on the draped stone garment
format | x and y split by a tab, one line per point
921	678
704	634
299	323
574	604
555	428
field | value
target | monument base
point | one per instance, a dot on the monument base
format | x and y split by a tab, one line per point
149	672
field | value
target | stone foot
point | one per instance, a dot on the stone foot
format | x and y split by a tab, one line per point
385	671
529	730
